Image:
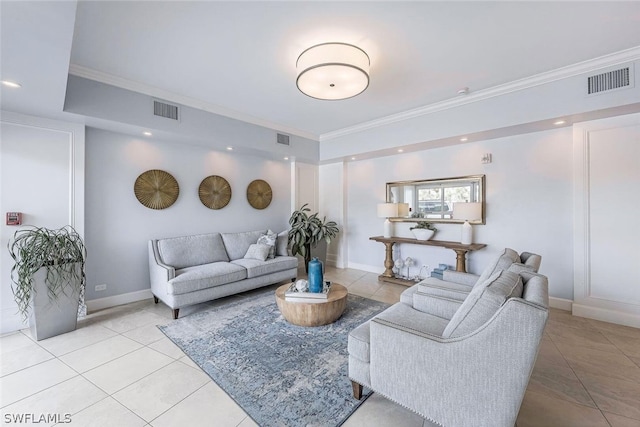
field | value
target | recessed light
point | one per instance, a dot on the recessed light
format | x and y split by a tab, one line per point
9	83
465	139
230	148
559	122
400	150
286	158
147	133
463	91
353	158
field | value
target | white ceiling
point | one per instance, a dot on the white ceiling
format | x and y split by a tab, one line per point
238	58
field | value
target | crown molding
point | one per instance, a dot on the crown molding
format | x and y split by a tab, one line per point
617	58
110	79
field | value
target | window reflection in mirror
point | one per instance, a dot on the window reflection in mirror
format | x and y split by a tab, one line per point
433	199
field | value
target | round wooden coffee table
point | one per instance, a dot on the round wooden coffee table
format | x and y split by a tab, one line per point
313	313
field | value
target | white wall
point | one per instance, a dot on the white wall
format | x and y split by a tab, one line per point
529	202
118	226
42	176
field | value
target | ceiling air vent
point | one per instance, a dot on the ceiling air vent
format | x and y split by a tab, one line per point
608	81
283	139
162	109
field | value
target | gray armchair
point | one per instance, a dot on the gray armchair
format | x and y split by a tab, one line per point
472	370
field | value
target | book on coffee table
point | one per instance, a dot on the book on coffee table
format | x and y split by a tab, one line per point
293	294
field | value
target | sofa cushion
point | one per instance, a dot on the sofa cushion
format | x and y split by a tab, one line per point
282	244
187	251
502	261
269	239
237	244
257	251
482	303
257	268
205	276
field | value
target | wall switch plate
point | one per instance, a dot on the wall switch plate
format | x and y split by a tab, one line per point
102	287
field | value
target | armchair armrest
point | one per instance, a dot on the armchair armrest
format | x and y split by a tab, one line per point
460	277
475	380
159	272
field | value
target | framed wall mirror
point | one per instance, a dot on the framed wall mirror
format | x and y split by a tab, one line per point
432	200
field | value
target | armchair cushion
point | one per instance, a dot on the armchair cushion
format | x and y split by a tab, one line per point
436	305
483	302
501	262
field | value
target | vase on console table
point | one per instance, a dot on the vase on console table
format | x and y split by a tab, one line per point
315	276
422	233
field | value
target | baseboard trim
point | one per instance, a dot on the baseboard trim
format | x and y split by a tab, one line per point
11	320
560	303
606	315
365	267
107	302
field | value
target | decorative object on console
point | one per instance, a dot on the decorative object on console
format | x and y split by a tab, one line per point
438	273
423	230
467	212
156	189
409	262
214	192
391	210
307	231
332	71
316	279
259	194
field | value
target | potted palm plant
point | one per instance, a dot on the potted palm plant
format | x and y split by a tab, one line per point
307	231
48	278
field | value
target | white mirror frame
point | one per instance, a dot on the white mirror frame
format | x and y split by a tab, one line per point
407	192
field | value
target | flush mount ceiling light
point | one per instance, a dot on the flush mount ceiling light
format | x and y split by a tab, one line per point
333	71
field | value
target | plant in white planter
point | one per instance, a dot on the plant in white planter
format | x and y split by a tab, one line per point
48	278
423	230
307	231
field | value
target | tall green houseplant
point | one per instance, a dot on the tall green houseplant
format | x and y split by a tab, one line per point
48	277
307	230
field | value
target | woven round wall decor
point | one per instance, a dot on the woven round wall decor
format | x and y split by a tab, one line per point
214	192
156	189
259	194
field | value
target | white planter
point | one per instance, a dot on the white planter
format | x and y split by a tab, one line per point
422	233
53	316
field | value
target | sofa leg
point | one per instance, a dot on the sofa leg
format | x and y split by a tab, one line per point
293	280
175	313
357	390
155	299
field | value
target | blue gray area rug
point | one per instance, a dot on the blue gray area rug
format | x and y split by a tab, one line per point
280	374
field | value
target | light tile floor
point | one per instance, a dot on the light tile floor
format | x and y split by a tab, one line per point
118	369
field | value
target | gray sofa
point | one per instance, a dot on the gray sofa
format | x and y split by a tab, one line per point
468	369
193	269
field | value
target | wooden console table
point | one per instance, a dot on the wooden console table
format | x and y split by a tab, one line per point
460	250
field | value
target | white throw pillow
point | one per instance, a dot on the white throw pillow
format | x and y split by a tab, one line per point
257	251
269	239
